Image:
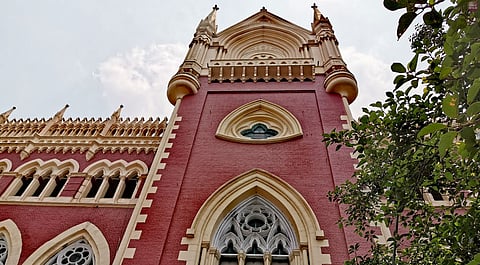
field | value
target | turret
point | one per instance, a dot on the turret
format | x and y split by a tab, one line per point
186	82
338	78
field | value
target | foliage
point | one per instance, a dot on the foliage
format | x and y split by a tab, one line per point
421	142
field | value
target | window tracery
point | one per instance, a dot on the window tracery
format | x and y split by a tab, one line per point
254	232
259	131
3	249
77	253
259	122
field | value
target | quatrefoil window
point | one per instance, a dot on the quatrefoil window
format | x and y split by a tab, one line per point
259	131
259	122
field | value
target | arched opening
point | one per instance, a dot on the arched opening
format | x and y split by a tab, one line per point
255	232
213	237
82	244
10	243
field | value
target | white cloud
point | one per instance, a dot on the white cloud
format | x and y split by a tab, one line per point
138	79
373	76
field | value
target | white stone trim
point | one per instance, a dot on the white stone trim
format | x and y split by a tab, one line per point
12	234
124	251
256	182
259	111
85	230
5	165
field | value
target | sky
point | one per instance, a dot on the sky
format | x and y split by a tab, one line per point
98	54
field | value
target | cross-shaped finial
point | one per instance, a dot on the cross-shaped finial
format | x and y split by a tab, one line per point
215	8
314	5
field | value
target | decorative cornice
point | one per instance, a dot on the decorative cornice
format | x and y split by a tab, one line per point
84	136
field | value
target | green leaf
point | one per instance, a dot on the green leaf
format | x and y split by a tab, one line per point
475	48
392	5
431	128
412	65
450	106
433	18
473	91
473	109
446	141
398	68
476	260
415	83
404	22
445	71
468	133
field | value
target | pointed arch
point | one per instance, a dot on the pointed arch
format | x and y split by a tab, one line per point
13	238
260	111
56	166
5	165
119	166
255	219
261	29
284	197
87	231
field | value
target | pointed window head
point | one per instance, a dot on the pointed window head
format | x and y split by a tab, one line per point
259	122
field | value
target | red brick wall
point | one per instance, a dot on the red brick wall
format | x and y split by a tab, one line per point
5	181
199	163
40	224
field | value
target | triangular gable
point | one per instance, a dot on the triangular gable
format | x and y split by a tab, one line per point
264	33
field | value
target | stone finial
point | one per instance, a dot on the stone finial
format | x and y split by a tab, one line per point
316	13
59	115
56	118
208	25
116	115
319	19
4	116
113	119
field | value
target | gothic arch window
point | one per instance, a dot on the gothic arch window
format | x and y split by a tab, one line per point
118	181
10	243
216	236
259	122
77	253
83	244
254	232
38	179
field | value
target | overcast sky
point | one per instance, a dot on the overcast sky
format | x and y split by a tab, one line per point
97	54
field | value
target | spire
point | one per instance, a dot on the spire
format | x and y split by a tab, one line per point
113	119
208	25
316	13
59	115
116	115
321	25
56	118
4	116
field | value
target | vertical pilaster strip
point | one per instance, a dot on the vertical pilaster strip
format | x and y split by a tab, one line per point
125	252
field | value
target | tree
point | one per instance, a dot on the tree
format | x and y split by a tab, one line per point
418	143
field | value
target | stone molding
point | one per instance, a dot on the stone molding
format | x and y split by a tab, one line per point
12	234
255	182
87	231
84	136
259	111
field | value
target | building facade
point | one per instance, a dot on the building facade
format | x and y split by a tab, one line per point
238	175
